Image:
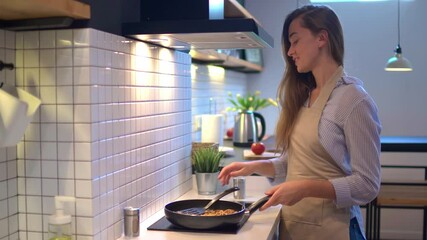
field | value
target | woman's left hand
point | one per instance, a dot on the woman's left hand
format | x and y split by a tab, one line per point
287	193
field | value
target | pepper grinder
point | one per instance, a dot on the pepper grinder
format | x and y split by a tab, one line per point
131	221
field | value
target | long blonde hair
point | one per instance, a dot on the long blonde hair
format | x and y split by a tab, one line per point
294	88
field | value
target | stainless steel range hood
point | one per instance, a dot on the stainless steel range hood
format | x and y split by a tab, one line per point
200	24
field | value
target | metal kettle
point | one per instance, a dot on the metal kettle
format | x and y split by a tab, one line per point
246	129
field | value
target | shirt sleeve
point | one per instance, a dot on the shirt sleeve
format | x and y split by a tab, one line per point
362	135
280	165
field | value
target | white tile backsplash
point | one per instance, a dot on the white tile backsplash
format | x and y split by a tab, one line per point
101	133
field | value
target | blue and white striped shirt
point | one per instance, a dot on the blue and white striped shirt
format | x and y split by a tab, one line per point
349	130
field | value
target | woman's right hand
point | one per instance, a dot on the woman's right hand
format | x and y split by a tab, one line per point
235	169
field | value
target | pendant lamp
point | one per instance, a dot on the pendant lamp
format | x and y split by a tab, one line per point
398	63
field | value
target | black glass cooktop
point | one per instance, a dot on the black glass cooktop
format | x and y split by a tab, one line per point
164	225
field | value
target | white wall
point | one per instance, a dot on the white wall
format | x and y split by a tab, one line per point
209	89
370	31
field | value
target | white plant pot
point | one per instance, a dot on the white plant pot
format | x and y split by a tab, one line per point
17	108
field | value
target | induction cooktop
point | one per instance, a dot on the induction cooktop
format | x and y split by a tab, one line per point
163	224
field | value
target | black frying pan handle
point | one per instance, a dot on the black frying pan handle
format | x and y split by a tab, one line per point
256	205
226	192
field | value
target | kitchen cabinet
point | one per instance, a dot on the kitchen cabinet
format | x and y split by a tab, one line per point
30	9
39	14
220	59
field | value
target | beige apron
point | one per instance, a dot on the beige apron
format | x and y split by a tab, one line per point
313	218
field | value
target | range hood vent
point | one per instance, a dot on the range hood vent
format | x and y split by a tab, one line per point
200	24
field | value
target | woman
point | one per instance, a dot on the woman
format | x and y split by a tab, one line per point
329	132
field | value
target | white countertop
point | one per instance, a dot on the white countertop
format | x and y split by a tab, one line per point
260	225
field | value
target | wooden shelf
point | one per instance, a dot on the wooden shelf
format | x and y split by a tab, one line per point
219	59
33	9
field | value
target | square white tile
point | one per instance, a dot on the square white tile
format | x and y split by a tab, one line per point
34	204
65	132
65	151
33	168
50	187
65	113
84	207
31	58
64	76
66	169
49	151
32	150
47	76
48	39
32	133
34	223
82	132
33	186
64	38
85	37
48	113
82	95
64	57
82	113
31	40
85	188
47	58
85	57
64	94
83	151
84	225
66	187
48	95
48	131
31	77
49	169
83	170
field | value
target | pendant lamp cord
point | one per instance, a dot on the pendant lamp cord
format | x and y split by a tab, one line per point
398	22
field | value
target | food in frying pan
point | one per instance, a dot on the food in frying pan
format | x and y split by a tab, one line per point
218	212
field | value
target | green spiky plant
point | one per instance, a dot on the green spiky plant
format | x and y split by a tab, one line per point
206	160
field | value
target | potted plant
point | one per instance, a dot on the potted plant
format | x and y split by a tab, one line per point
250	102
206	165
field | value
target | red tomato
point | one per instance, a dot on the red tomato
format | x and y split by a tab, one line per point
258	148
230	132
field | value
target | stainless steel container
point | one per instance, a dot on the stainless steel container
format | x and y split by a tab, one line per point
131	221
239	182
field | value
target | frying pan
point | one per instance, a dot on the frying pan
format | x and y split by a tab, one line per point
207	222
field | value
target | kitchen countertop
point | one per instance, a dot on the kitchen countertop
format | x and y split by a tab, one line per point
260	225
388	144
